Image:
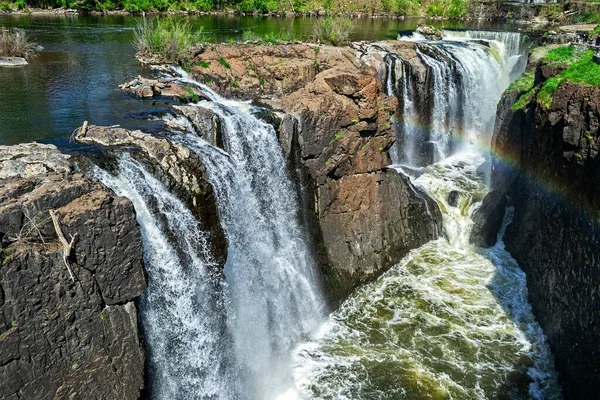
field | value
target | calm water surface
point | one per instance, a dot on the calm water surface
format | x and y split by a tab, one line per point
85	58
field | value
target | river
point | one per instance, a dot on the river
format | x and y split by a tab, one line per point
85	58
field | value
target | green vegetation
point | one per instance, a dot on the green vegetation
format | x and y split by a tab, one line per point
588	17
595	31
194	98
224	63
432	8
561	55
271	37
580	69
14	43
170	40
333	30
203	64
524	83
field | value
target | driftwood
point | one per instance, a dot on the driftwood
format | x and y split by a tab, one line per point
67	246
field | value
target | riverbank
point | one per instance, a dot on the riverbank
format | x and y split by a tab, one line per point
573	12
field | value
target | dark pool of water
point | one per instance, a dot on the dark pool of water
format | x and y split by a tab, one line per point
76	77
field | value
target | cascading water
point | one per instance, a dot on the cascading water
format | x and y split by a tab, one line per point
450	321
183	310
468	71
273	294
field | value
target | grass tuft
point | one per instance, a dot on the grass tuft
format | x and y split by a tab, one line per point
336	31
14	43
170	40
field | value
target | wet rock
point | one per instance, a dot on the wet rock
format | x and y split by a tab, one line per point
487	220
453	198
204	121
166	87
59	338
429	32
180	169
12	62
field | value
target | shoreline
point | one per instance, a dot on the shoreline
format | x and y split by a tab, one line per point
476	12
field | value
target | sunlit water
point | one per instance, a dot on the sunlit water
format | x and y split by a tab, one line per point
449	321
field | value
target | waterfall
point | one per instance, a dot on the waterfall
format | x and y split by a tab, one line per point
448	321
183	310
274	296
467	73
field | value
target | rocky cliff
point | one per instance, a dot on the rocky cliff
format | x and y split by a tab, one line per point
546	160
68	321
335	125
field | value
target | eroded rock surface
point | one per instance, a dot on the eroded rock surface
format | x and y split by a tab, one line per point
180	169
61	338
334	123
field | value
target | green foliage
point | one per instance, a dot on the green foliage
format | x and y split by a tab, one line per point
224	63
544	97
588	17
270	37
5	6
194	98
581	69
562	54
524	83
171	40
261	6
261	81
524	100
204	64
334	30
456	9
596	30
453	9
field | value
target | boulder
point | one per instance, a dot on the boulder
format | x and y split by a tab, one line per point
487	219
64	338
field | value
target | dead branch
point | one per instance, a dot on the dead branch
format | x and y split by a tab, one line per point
34	226
67	247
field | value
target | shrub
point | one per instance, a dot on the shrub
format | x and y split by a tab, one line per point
169	40
270	37
14	43
5	6
336	31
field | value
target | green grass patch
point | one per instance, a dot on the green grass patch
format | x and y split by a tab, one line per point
333	30
524	83
204	64
224	63
524	100
562	54
282	36
169	39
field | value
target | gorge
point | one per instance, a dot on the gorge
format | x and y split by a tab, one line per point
330	235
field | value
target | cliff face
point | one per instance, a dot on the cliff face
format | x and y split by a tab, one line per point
546	160
64	338
335	127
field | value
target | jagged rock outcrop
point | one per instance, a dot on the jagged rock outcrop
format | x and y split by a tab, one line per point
61	338
334	122
180	169
487	219
166	87
546	160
